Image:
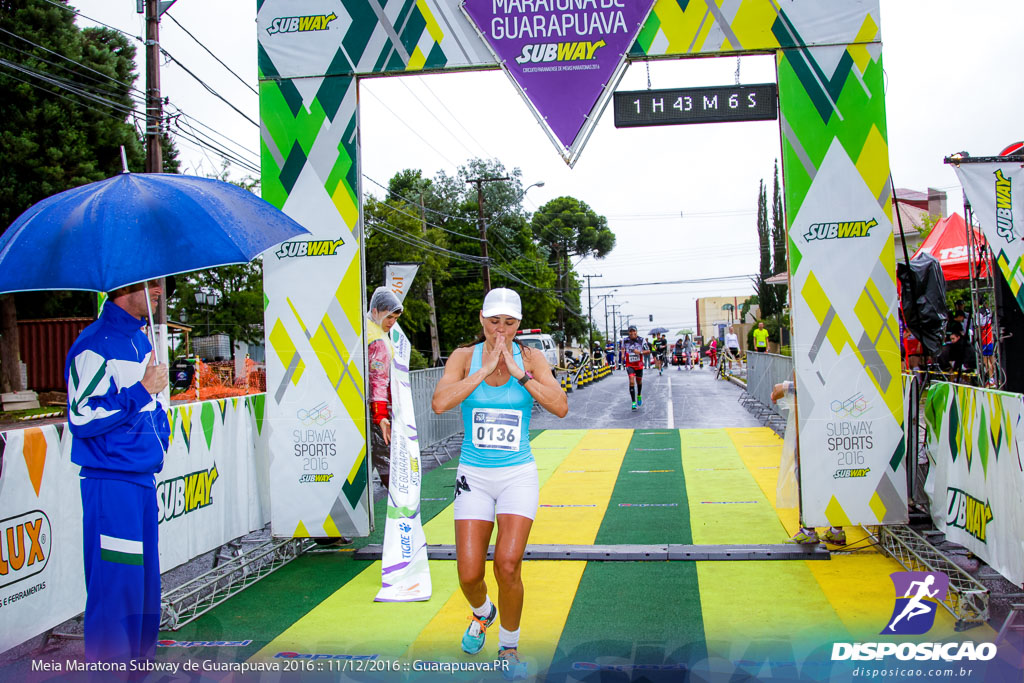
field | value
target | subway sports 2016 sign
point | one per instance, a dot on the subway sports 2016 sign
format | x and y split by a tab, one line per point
716	104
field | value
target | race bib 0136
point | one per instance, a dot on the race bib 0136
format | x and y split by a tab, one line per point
497	428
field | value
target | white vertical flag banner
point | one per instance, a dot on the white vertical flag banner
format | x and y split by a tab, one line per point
405	575
398	278
996	193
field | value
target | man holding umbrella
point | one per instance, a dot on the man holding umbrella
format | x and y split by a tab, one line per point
119	423
114	236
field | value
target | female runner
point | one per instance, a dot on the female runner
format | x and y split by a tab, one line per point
496	380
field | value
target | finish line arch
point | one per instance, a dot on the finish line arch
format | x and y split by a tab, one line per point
312	54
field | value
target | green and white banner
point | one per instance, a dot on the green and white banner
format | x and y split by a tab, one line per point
42	580
213	489
976	482
838	213
842	269
405	574
214	485
995	191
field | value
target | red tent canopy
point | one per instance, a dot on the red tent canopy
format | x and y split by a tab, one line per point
948	243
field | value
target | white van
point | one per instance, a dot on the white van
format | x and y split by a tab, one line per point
542	342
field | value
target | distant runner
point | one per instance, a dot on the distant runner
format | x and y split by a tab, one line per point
732	346
761	338
660	346
634	350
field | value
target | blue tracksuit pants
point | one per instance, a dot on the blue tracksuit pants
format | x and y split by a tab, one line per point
122	570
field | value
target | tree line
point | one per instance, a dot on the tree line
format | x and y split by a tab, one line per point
435	221
69	107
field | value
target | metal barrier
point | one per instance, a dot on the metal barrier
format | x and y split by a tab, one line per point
764	371
431	428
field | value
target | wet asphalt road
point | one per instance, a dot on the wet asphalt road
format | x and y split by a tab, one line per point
676	399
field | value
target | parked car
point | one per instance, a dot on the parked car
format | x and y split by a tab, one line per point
542	342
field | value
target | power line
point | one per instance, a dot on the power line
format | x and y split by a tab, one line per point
200	43
457	120
414	132
70	86
96	21
203	145
74	102
128	87
680	282
409	201
208	87
442	124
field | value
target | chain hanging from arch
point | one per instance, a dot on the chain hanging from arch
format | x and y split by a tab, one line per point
648	65
737	70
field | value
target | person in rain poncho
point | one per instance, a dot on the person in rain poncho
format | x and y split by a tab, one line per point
385	309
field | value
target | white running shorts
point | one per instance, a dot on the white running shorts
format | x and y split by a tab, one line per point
483	492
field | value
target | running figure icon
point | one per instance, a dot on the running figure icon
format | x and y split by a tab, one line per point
915	607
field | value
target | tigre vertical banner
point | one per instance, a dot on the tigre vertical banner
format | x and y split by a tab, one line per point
996	193
405	574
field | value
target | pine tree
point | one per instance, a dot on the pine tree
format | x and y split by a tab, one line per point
764	293
779	261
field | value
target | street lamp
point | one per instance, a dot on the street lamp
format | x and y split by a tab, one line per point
206	301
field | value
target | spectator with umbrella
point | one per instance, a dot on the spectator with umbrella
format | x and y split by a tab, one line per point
118	236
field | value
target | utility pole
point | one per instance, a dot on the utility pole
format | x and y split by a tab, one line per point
615	329
154	126
483	227
435	345
590	314
607	337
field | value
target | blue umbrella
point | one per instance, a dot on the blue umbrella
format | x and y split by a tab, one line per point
135	227
658	330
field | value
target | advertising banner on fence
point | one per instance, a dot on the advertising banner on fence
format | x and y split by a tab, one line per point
976	482
995	191
41	574
405	574
213	489
564	57
213	486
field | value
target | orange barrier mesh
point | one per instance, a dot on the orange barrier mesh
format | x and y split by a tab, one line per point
211	386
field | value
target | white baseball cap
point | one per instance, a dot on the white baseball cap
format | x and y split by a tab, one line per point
502	301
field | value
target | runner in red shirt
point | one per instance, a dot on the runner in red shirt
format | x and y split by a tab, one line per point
634	349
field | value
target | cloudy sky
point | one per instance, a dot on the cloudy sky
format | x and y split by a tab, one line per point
680	199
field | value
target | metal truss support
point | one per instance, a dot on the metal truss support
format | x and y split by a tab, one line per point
635	553
966	600
229	577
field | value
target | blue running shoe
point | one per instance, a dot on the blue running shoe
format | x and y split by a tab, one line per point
639	401
513	668
634	405
475	635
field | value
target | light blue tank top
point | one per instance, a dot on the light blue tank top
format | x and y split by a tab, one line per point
496	420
